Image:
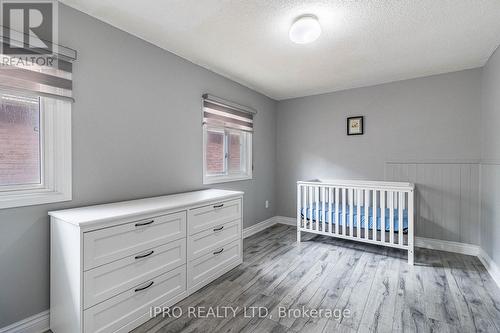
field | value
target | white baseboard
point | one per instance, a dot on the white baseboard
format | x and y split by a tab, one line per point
286	220
442	245
35	324
258	227
252	230
490	266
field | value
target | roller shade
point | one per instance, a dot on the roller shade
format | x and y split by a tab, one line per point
219	112
45	78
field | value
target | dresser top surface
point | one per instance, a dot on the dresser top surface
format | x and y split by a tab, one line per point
125	209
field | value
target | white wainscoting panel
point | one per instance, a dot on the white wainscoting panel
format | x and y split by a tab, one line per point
447	198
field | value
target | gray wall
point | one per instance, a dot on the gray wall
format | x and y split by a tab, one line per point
490	168
424	125
136	133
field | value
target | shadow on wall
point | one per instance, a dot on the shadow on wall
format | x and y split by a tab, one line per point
433	220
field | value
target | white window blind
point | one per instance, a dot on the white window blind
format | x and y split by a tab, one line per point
51	79
218	112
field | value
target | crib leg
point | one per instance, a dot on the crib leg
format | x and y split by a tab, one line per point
298	235
410	256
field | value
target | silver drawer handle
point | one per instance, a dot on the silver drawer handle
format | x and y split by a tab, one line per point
219	252
140	256
219	206
145	287
141	224
218	229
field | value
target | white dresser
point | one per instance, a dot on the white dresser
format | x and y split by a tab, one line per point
111	263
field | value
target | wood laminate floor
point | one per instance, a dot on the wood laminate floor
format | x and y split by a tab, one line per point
374	286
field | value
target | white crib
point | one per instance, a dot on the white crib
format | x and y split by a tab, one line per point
366	211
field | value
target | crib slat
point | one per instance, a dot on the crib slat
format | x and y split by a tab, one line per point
304	206
326	198
383	195
310	198
400	217
310	207
323	200
329	209
351	212
344	211
299	200
367	216
330	216
374	215
313	209
337	214
316	200
358	212
410	228
391	216
300	195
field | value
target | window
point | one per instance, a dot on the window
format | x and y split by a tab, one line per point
35	149
20	158
36	96
227	142
227	155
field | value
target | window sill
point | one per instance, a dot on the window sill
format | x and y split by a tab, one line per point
34	198
224	179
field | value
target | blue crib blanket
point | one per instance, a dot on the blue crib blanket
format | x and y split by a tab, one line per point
331	217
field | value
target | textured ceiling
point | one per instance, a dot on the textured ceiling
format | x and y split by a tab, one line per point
364	42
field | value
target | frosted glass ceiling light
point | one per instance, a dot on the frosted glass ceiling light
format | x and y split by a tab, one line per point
305	29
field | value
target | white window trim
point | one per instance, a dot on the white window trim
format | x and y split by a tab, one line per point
216	179
55	140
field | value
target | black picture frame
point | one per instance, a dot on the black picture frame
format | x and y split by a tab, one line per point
361	122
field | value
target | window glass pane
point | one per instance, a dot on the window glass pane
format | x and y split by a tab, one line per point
19	140
235	162
215	152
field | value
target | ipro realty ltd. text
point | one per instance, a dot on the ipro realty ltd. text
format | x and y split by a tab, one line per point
248	312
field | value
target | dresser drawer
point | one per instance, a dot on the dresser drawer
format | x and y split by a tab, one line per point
106	245
131	308
111	279
209	266
206	217
205	241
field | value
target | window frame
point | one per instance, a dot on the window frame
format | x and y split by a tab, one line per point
227	176
55	159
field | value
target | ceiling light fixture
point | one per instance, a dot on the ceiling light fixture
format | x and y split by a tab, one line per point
305	29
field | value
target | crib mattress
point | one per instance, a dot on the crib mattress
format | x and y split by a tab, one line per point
331	217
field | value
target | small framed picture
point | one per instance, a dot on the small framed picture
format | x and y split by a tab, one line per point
355	125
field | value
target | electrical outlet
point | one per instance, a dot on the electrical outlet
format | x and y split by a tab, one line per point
267	203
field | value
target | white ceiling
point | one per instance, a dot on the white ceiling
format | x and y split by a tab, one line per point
364	42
